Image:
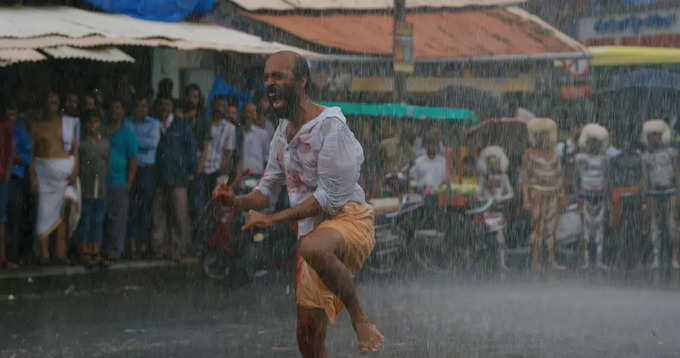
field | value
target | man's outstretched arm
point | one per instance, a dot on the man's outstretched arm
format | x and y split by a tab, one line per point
308	208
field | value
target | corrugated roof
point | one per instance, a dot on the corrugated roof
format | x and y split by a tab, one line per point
442	34
283	5
37	27
12	56
106	54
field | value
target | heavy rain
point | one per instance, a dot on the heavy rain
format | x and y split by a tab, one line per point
390	178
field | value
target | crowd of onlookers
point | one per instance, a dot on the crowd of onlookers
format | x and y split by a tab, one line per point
97	178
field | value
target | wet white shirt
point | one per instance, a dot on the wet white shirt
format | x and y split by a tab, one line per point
322	160
255	149
222	138
428	173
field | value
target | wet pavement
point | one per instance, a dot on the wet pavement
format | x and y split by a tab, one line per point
174	312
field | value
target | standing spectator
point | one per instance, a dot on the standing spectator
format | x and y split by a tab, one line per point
255	142
122	169
626	184
219	147
94	168
218	155
89	104
193	112
264	119
234	167
53	166
175	166
396	152
429	170
18	207
6	158
148	132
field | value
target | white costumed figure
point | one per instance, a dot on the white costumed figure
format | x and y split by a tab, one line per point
543	190
660	173
494	185
592	168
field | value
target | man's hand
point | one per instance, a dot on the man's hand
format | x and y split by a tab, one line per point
224	195
255	220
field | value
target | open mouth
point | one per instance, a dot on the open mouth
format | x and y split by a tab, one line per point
274	96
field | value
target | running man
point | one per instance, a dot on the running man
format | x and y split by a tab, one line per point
316	156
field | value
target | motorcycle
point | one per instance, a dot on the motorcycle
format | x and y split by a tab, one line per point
394	219
231	254
466	238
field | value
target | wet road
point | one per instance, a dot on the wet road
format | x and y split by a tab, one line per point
175	313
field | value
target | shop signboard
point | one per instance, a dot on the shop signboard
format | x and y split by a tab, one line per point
660	28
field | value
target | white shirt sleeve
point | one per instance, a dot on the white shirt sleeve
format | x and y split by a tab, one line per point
273	179
229	137
338	165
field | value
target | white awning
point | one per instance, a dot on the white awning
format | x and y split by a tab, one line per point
106	54
283	5
12	56
50	26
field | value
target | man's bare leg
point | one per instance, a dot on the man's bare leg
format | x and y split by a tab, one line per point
322	250
60	246
312	324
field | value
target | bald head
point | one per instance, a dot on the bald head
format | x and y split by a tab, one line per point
297	65
286	80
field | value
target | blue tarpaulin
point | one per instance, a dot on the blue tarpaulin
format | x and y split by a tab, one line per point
220	87
157	10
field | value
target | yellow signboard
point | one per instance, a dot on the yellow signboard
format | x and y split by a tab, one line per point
404	58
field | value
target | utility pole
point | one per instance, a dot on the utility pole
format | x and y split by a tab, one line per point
399	77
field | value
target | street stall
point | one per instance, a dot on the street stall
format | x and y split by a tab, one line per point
43	46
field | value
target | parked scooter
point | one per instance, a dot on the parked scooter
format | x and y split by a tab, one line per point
234	255
394	225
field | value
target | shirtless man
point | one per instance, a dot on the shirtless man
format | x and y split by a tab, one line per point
318	159
54	165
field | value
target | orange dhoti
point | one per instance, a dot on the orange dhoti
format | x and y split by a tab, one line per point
355	223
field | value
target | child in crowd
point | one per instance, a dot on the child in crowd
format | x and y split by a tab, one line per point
660	172
592	174
494	184
543	189
94	167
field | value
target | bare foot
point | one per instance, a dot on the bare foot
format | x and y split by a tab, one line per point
370	339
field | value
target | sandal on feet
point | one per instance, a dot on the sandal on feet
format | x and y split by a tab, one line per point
370	339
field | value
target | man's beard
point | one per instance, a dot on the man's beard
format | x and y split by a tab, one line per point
288	95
